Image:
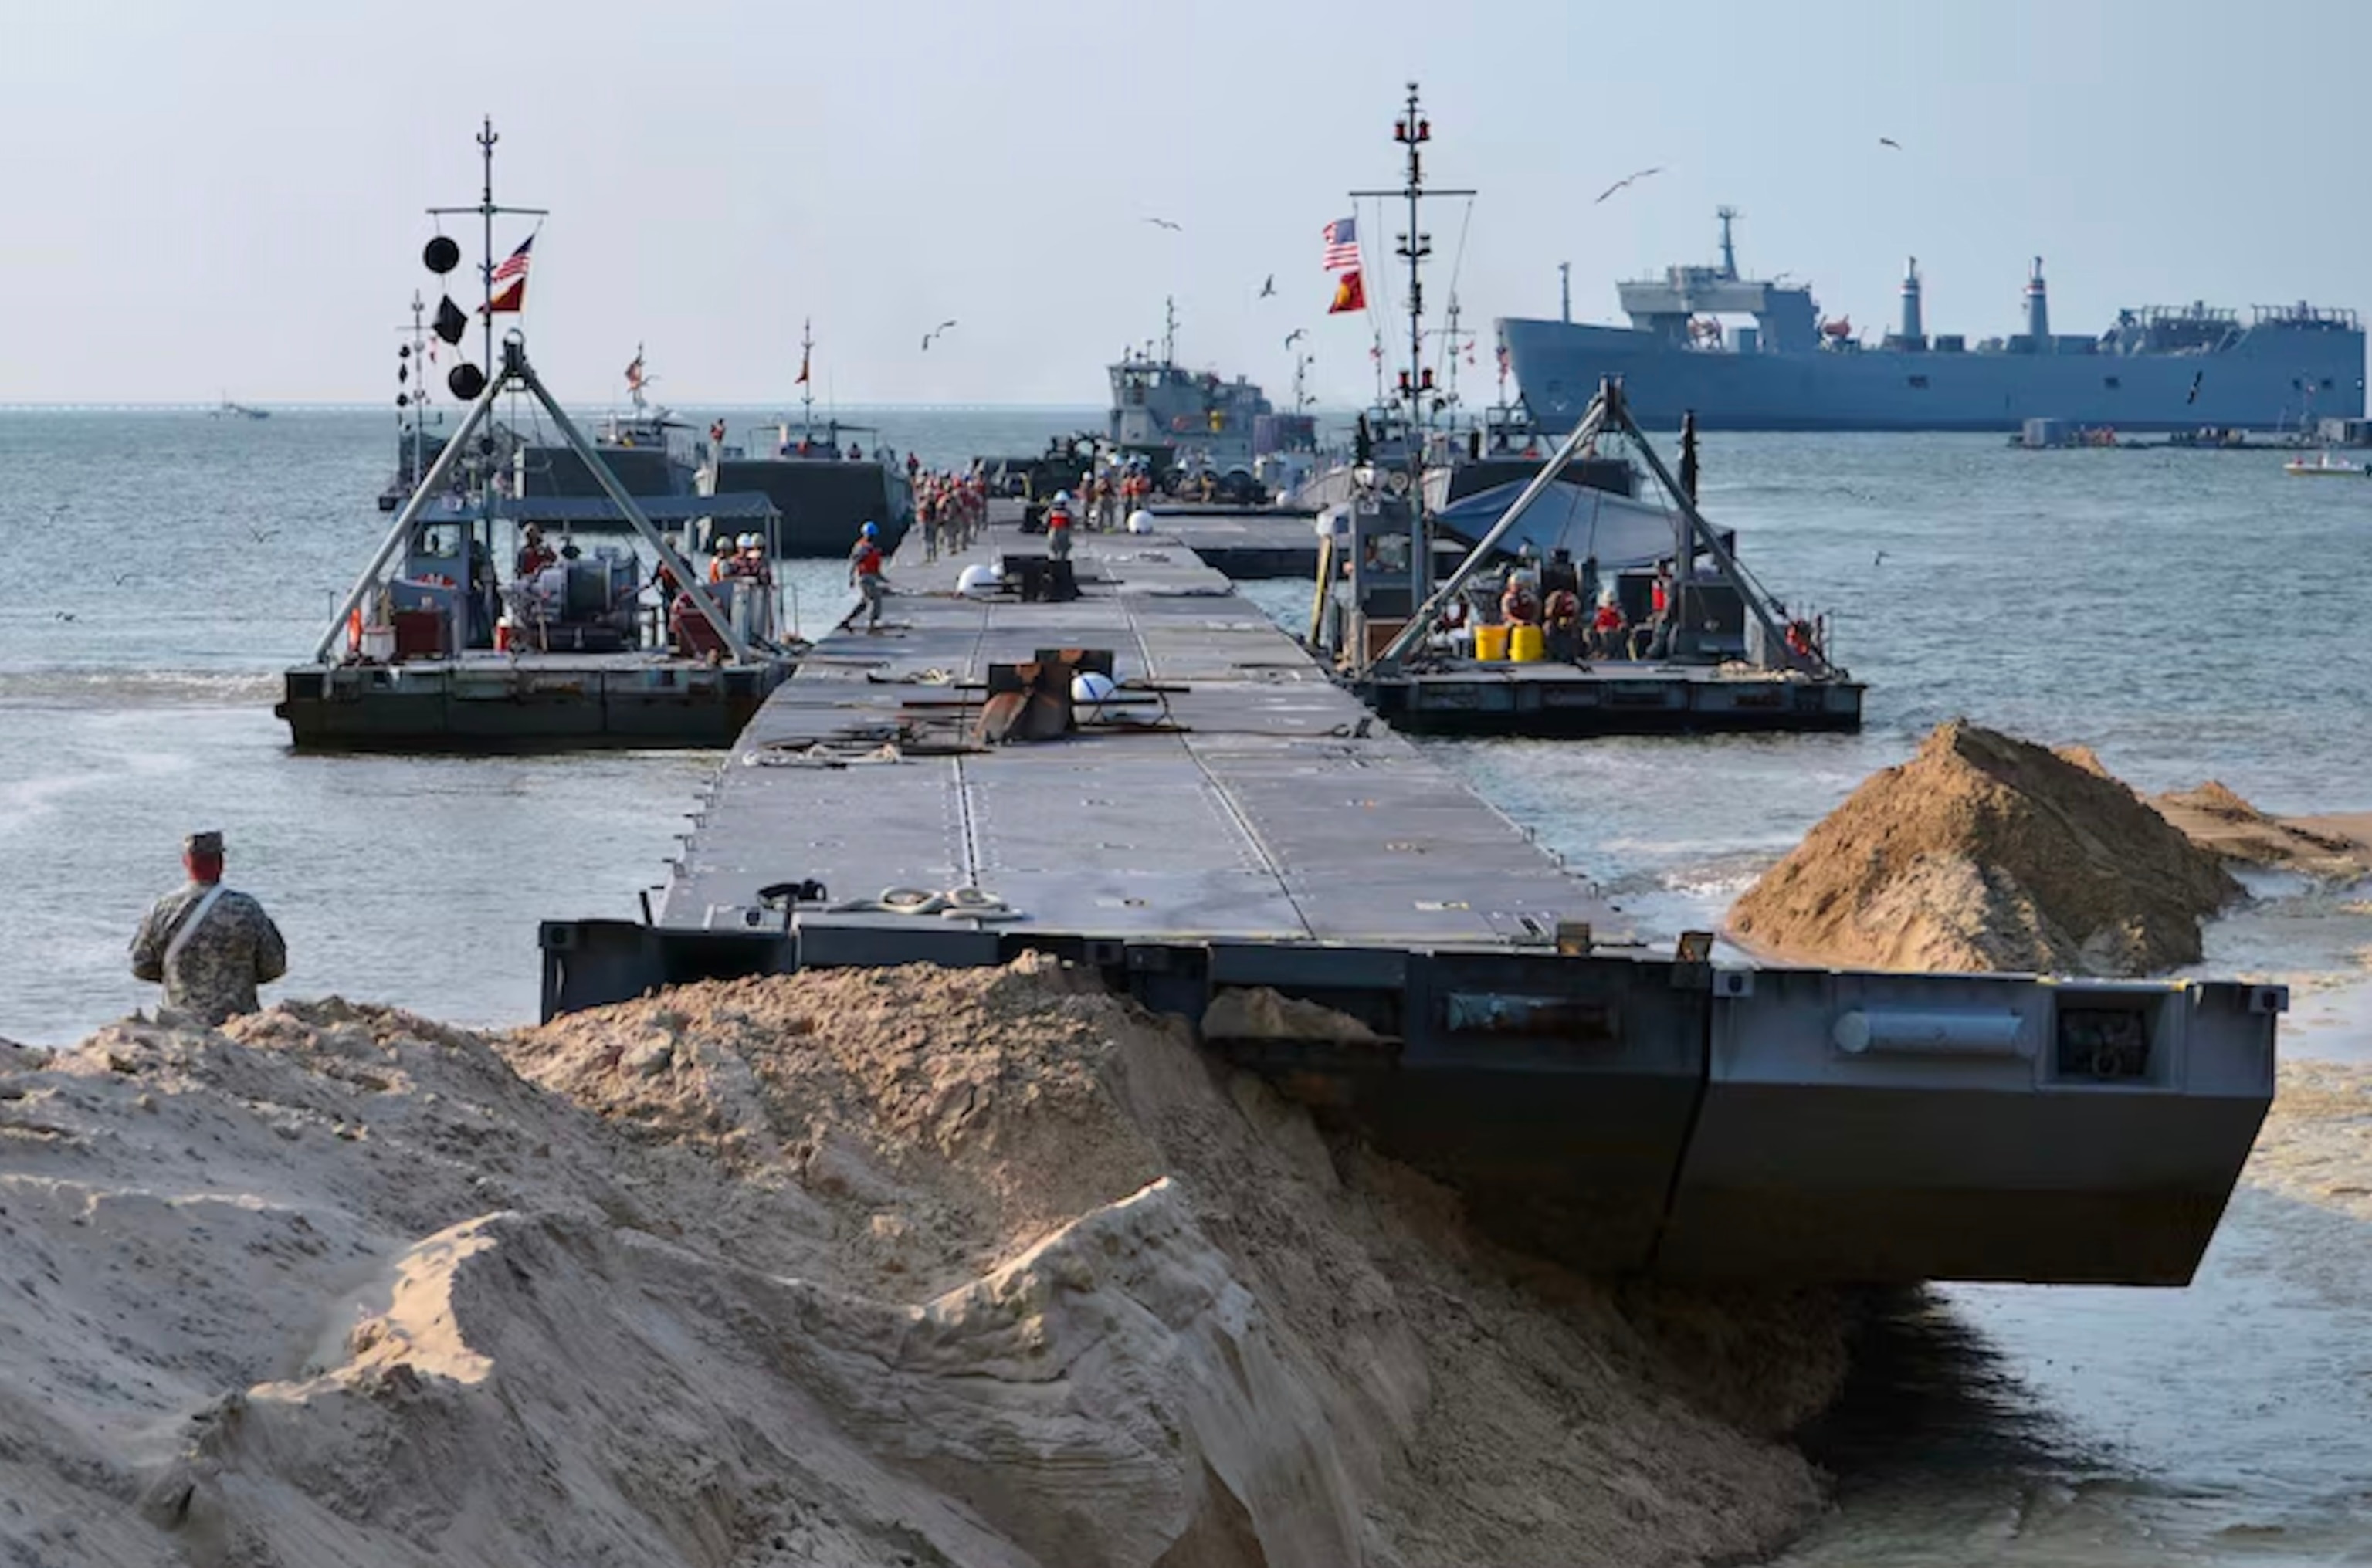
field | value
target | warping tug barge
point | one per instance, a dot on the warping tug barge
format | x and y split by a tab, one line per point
1696	644
1126	764
431	663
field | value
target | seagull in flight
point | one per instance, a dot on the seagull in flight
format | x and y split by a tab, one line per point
1269	288
1297	332
934	333
1890	142
1165	223
262	535
1626	179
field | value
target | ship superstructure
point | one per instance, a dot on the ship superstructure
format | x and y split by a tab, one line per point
1184	418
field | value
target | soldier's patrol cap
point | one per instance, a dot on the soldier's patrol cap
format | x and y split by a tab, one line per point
203	844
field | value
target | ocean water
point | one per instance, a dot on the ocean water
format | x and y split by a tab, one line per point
2188	614
171	565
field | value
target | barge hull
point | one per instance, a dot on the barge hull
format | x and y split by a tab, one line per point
627	704
1566	702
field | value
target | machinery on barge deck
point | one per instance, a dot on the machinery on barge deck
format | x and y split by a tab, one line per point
1578	612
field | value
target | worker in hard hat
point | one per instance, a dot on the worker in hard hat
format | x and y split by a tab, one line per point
1058	526
865	564
534	555
1606	626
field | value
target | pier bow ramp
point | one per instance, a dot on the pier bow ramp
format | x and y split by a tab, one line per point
1230	838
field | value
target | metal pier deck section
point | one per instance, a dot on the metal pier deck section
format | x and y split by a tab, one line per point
1277	810
1623	1109
1249	542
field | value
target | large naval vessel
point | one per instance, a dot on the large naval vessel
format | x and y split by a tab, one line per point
2154	368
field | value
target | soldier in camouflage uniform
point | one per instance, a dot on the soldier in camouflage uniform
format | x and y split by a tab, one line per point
209	945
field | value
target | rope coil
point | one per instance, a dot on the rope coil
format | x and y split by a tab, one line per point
952	903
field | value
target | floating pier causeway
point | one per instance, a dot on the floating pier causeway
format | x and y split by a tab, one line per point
1235	820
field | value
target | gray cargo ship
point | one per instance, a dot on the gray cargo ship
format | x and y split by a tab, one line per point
2156	368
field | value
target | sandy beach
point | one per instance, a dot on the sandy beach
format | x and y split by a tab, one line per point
878	1268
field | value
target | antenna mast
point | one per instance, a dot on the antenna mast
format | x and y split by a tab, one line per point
806	386
1168	330
1453	340
1413	129
486	211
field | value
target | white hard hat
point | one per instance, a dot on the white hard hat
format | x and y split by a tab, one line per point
1090	691
978	580
1140	521
1062	498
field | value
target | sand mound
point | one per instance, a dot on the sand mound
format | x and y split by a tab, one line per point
2217	819
885	1267
1987	852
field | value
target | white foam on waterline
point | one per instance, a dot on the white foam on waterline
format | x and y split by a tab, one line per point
85	688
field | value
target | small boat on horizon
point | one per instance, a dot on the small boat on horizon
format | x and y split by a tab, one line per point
229	410
2325	465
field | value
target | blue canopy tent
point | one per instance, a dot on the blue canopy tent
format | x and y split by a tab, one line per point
1622	533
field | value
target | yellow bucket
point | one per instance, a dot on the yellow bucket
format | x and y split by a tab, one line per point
1526	645
1490	641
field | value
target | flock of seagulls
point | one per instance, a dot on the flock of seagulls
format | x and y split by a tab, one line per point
1268	285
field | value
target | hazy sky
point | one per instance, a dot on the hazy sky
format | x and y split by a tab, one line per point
229	195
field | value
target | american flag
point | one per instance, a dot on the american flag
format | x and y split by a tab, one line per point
509	282
1342	244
